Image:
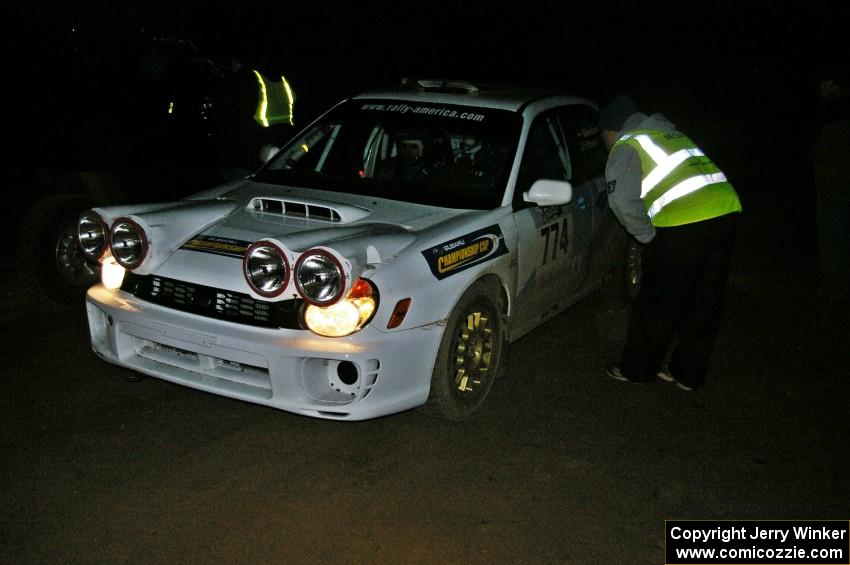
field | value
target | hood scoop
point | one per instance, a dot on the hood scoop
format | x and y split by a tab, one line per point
307	210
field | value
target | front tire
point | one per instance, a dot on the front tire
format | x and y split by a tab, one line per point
471	354
50	263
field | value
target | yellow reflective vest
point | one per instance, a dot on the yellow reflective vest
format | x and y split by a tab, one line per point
680	185
275	101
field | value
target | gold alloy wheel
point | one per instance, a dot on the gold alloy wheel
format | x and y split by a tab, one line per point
471	353
472	350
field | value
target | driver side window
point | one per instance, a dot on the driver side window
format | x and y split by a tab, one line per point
545	156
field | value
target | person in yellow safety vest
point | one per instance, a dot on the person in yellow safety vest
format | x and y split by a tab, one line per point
275	101
251	109
672	198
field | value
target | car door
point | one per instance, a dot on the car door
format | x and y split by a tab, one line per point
550	257
587	158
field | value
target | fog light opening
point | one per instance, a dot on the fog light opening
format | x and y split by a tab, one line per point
347	372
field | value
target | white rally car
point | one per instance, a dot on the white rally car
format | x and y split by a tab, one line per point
382	260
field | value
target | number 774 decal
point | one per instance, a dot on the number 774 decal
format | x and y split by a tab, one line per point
558	234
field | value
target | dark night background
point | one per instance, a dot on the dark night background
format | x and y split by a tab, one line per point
736	76
561	464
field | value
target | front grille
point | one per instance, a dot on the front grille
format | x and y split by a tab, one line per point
214	303
236	305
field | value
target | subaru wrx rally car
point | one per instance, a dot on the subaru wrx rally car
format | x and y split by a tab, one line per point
382	260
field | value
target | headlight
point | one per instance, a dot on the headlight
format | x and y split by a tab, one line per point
320	277
346	316
92	234
266	268
129	243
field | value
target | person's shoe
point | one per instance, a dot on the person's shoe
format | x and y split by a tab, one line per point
665	375
615	373
684	387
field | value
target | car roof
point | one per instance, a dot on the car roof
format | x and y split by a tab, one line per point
504	97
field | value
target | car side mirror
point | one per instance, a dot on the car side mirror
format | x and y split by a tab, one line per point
547	192
267	152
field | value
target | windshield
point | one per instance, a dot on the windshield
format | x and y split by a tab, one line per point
435	154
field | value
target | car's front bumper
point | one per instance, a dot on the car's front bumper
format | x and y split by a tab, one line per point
366	375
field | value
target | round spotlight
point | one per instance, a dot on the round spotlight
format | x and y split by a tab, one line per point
92	234
266	268
320	277
129	244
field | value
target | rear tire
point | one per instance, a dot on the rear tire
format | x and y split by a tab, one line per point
622	282
633	271
471	354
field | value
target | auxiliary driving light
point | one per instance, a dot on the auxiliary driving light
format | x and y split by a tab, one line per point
129	243
266	268
92	234
320	276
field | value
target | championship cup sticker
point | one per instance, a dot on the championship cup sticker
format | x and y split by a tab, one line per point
466	251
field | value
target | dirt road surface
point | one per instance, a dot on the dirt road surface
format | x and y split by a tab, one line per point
561	465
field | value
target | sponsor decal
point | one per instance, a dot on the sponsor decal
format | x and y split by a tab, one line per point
466	251
217	245
455	112
611	186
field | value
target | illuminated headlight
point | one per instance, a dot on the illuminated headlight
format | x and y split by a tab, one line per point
92	234
346	316
111	273
320	277
266	268
129	244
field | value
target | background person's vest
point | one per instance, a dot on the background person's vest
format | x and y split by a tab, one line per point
275	101
680	185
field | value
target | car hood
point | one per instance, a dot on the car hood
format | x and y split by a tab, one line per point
203	239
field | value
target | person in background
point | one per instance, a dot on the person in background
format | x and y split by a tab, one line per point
249	111
831	162
671	197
